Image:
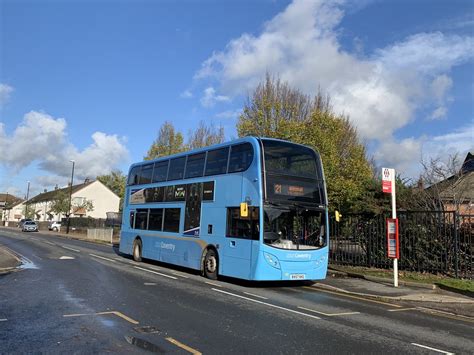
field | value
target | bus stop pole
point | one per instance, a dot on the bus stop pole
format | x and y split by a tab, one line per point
394	216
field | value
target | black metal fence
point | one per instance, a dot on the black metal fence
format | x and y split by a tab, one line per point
430	241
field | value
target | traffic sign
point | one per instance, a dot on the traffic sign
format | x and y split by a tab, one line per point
388	179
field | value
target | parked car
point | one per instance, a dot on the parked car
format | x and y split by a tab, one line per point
29	226
22	221
54	226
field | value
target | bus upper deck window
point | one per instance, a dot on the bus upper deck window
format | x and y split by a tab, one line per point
176	170
146	173
241	156
217	161
134	175
195	165
160	171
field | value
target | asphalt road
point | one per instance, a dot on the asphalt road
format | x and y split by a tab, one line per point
77	297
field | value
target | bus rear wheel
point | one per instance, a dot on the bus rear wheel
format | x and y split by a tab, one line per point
137	250
211	265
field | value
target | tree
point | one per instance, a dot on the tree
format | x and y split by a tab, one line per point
60	204
205	136
115	181
168	142
276	110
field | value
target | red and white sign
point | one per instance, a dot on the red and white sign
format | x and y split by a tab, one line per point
392	238
388	179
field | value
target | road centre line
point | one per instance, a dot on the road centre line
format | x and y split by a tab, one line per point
49	242
184	347
65	247
266	304
352	296
3	320
329	314
102	257
434	349
156	272
251	294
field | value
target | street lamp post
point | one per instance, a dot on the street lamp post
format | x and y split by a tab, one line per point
26	203
70	197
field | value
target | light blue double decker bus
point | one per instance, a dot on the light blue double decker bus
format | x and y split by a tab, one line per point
253	208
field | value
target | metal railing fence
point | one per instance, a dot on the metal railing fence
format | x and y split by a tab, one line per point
430	241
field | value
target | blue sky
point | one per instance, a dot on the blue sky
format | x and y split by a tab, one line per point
94	80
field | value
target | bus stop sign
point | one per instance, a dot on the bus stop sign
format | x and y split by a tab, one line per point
392	238
388	176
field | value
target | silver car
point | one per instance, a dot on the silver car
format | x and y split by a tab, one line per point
29	226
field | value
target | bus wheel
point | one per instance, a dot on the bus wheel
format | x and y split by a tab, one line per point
210	264
137	250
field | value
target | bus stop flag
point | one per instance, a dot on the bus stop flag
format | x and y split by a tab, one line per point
388	187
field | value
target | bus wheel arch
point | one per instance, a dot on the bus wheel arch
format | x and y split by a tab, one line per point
210	263
137	249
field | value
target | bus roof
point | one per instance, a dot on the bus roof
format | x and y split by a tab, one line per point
251	139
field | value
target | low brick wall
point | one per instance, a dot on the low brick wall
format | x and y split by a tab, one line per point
104	234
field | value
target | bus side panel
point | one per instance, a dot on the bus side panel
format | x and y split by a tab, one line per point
126	242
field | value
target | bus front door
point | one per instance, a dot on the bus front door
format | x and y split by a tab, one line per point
237	257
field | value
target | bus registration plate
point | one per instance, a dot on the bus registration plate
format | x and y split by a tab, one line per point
297	276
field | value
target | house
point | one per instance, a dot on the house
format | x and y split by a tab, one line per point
456	193
102	199
7	201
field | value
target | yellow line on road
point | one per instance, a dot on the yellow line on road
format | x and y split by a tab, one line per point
213	284
443	314
184	347
351	296
329	314
118	314
121	315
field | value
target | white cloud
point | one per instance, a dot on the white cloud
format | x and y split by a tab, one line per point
380	93
5	92
439	113
229	114
210	98
407	154
42	139
186	94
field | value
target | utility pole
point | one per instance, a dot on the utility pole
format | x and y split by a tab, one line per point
27	196
70	198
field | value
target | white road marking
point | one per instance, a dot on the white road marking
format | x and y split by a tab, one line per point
101	257
329	314
251	294
213	284
66	258
156	272
49	242
266	304
68	248
3	320
37	240
180	275
150	284
402	309
430	348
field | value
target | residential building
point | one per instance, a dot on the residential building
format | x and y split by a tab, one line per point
103	201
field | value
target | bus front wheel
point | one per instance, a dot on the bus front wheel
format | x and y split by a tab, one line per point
137	250
210	265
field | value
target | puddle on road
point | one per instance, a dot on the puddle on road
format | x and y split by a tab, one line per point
27	264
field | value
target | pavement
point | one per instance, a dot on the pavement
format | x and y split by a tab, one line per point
340	282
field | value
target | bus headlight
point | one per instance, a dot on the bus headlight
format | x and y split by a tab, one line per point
272	260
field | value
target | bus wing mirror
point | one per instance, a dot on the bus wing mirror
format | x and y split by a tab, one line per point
244	209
